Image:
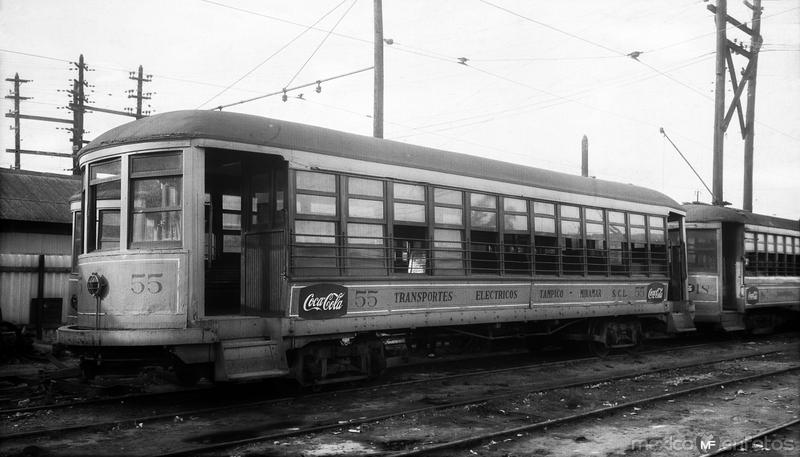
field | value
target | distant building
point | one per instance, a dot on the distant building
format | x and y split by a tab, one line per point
35	245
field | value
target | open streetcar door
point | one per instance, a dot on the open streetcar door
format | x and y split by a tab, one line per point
244	230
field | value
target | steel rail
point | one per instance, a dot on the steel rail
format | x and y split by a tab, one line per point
550	422
250	404
554	386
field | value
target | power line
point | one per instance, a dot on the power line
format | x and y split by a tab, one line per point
288	89
308	28
322	42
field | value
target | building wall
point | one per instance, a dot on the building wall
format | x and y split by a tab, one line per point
34	243
19	277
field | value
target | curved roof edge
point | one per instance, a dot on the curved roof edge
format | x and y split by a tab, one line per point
697	212
251	129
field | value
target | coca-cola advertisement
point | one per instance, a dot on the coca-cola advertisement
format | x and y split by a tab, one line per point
322	301
656	292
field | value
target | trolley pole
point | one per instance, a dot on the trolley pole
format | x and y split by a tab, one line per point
755	47
720	18
377	116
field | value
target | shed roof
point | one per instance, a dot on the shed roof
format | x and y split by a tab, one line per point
33	196
250	129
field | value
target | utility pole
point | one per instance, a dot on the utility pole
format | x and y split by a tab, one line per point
722	117
138	95
16	97
377	116
78	110
755	47
17	116
719	100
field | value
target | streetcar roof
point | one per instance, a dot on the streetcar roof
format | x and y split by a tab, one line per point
250	129
698	212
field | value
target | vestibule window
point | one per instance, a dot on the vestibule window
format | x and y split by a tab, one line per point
156	200
104	203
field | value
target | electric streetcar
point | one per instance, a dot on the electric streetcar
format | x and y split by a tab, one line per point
744	268
239	247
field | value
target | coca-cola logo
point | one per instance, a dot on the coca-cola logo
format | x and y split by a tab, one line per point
655	292
322	301
751	295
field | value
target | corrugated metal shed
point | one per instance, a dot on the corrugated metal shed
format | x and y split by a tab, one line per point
32	196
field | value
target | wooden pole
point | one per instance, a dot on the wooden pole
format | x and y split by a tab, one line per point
755	45
377	116
720	18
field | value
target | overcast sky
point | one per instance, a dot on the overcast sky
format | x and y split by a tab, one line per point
539	75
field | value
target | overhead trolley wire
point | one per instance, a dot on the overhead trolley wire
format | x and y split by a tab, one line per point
287	89
308	28
322	42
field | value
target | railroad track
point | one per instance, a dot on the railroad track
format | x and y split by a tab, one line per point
288	428
149	407
427	365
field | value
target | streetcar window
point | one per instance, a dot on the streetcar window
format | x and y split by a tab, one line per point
516	237
314	247
108	230
231	224
105	190
658	245
638	234
77	238
545	239
796	256
448	252
571	240
780	267
618	248
701	248
319	182
365	249
410	254
596	253
484	242
409	203
761	247
156	200
365	253
771	257
751	261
